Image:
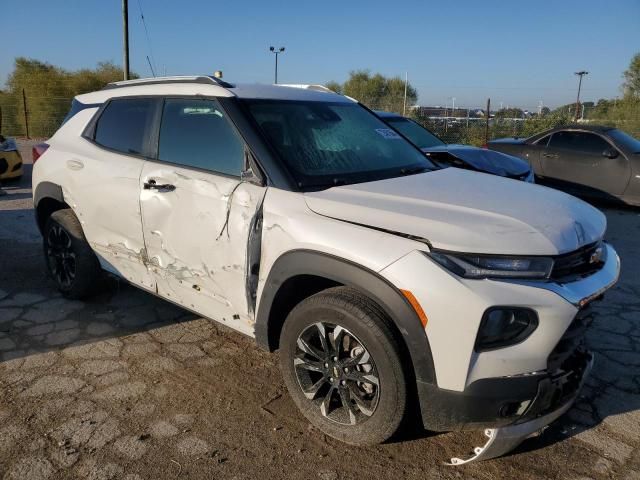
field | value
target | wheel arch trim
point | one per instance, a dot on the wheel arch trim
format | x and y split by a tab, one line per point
47	190
389	298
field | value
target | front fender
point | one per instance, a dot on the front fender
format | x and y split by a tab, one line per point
380	290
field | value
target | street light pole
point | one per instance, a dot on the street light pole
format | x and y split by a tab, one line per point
580	74
277	51
125	38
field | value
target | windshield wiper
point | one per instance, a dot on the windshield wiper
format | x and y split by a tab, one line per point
334	182
413	171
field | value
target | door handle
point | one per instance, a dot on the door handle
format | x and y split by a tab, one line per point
164	187
550	155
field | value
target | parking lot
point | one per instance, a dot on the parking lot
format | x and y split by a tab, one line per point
126	385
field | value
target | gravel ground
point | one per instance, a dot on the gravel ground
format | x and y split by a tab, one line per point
128	386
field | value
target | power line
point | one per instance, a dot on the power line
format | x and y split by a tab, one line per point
146	31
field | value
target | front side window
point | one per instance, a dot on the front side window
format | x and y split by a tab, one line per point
418	135
325	144
124	125
579	142
196	133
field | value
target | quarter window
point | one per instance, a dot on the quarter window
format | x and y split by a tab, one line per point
579	142
197	133
124	125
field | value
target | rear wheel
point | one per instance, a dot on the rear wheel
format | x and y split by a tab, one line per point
70	259
341	364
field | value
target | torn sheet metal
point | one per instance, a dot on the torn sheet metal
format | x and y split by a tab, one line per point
503	440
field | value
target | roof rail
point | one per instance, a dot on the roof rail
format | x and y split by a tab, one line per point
304	86
203	79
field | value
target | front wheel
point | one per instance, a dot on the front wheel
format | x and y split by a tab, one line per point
70	260
341	364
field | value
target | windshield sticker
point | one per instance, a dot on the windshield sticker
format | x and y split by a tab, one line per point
387	133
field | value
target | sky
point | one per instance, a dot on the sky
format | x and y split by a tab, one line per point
517	53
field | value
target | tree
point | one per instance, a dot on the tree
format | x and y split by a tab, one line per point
376	91
335	86
631	75
48	90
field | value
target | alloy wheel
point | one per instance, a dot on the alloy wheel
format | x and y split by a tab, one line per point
60	255
336	373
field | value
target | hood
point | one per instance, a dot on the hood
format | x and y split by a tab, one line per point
465	211
485	160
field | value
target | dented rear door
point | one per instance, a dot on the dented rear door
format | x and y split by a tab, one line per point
197	213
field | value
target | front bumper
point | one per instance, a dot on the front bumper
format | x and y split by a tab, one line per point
501	402
511	385
505	439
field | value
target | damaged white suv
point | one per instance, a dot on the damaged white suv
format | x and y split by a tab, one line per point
298	217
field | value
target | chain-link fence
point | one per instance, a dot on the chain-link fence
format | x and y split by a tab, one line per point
32	115
471	126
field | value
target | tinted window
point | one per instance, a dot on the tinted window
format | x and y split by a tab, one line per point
418	135
326	144
196	133
579	142
124	125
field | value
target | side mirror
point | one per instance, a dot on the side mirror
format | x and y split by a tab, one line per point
610	153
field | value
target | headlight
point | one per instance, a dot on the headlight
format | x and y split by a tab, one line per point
487	266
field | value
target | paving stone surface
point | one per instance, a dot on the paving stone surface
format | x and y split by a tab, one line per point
127	386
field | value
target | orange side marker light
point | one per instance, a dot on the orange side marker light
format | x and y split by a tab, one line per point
416	306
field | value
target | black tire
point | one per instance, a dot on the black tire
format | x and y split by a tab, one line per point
71	262
369	329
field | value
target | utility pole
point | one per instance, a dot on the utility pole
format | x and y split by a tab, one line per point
580	74
277	51
125	38
404	105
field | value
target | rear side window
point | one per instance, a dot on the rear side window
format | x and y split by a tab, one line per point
124	125
197	133
579	142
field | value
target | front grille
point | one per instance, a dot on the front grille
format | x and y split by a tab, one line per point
581	262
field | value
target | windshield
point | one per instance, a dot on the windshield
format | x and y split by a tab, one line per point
326	144
418	135
625	140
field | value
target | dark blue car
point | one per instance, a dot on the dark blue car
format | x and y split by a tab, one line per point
461	156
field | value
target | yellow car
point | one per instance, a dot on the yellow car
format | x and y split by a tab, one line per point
10	159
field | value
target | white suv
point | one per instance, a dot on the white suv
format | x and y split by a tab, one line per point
298	217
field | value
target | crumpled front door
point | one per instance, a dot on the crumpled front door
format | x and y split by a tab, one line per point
196	230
